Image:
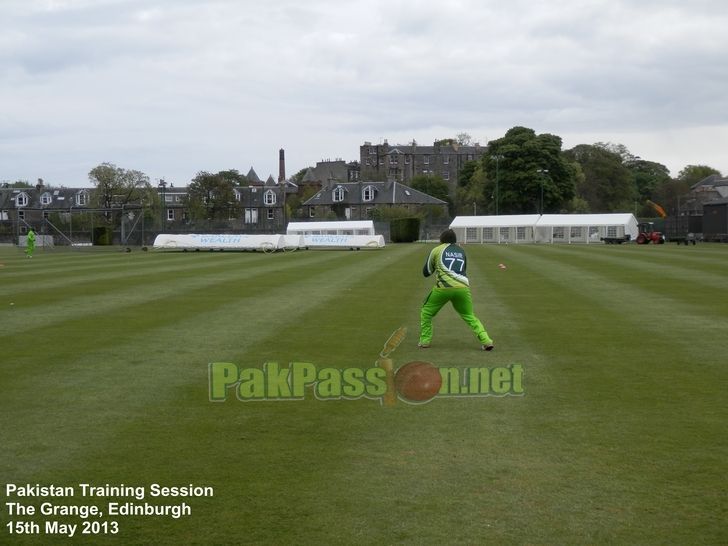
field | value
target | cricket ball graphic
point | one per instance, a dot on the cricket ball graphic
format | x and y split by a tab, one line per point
418	381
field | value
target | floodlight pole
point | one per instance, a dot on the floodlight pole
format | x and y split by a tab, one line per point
163	188
497	159
543	173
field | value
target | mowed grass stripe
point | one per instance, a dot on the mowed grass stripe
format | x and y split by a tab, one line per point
153	286
673	318
604	431
148	362
47	283
639	266
325	447
62	262
597	451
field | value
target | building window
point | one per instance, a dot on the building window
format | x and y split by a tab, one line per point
312	212
406	160
338	194
46	214
168	198
426	159
269	198
46	199
446	159
3	215
237	195
393	158
251	216
170	215
21	200
367	193
446	175
470	157
381	161
271	214
21	215
367	162
82	198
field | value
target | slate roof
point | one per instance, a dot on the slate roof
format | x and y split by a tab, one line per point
710	181
45	197
252	176
390	193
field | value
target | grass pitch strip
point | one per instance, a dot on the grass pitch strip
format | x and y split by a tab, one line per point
619	436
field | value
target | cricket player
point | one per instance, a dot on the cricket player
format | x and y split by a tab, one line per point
448	262
30	246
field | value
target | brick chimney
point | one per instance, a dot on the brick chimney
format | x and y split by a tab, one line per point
281	165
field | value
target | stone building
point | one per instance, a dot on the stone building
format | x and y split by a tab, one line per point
402	162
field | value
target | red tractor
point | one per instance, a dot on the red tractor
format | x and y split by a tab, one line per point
647	234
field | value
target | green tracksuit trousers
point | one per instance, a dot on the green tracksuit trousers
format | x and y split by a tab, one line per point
461	301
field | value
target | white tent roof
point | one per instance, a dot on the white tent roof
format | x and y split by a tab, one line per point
506	220
611	219
344	224
544	220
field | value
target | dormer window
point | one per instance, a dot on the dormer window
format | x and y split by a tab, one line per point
82	198
338	194
367	194
21	200
46	199
269	198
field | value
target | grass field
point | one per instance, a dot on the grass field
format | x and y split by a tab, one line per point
620	437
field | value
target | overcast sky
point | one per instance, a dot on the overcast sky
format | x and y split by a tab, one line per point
174	87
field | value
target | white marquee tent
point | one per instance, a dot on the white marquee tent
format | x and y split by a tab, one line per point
344	227
546	228
516	228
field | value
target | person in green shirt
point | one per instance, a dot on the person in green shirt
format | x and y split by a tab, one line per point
448	263
30	247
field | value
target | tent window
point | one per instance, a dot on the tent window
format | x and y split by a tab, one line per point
559	233
471	234
521	233
488	234
505	233
576	232
611	231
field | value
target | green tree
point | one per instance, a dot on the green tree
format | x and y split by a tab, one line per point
471	198
607	184
298	177
433	185
294	201
648	176
234	177
116	187
530	169
469	168
211	197
21	184
692	174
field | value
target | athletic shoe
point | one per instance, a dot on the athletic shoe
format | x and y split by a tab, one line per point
488	346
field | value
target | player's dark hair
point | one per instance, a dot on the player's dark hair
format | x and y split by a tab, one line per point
448	236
